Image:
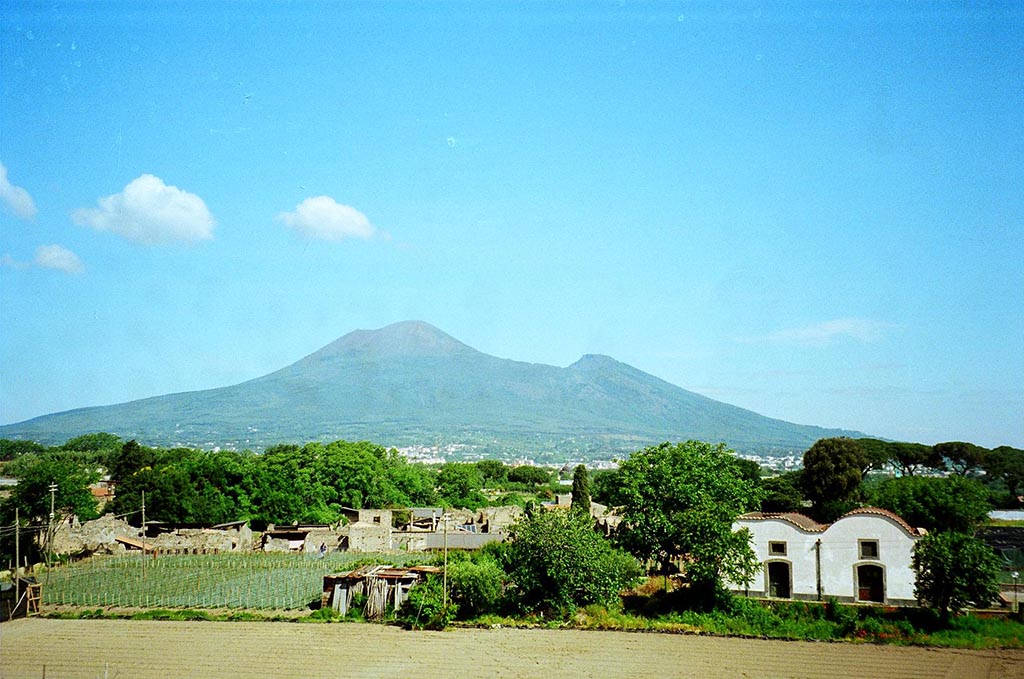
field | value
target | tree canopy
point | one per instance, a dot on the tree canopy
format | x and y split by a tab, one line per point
309	484
11	448
581	489
962	457
783	493
907	458
1006	464
459	485
936	503
955	570
557	561
529	475
833	470
31	497
679	502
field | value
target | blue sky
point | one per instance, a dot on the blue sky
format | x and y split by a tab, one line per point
811	210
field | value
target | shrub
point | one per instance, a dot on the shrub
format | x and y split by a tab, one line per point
475	588
955	570
425	607
557	561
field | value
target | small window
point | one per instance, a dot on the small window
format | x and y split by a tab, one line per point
376	519
869	549
777	548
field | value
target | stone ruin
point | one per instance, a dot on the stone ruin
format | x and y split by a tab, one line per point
101	537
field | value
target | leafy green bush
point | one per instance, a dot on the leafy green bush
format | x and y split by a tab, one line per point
425	608
843	617
558	562
323	615
476	587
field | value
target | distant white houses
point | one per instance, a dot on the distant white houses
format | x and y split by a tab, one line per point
863	557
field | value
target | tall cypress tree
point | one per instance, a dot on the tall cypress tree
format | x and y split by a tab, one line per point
581	489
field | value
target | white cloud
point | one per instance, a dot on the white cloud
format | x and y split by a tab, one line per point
151	213
323	218
58	257
17	199
820	334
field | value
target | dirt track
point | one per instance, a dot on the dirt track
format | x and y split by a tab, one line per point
139	649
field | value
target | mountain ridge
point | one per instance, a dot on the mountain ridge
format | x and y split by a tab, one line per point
410	383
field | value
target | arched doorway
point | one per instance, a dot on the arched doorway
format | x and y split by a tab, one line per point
870	583
780	580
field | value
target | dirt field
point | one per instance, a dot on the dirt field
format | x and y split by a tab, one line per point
140	649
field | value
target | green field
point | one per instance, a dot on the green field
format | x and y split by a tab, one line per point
238	581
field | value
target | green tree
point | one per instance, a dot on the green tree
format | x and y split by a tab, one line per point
876	453
426	607
99	447
557	561
910	458
962	458
749	470
680	501
954	570
528	475
476	586
1006	464
951	503
414	483
604	487
10	448
169	493
783	493
459	485
93	442
32	494
494	472
131	458
833	470
581	489
30	499
289	487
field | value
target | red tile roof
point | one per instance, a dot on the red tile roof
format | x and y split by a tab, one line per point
799	520
878	511
808	524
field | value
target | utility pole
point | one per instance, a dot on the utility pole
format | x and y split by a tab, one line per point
17	554
444	574
143	533
49	535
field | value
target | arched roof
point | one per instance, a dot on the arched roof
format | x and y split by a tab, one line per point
801	521
807	524
878	511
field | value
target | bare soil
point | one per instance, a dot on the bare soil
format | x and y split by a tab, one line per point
38	647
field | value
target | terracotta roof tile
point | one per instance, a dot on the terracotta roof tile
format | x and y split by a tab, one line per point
878	511
799	520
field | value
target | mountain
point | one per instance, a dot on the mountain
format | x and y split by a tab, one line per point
411	384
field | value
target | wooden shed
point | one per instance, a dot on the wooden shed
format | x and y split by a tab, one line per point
383	586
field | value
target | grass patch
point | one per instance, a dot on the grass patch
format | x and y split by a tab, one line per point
829	621
181	615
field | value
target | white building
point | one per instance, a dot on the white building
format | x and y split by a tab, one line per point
865	556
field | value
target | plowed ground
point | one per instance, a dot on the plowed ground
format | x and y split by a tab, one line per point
139	649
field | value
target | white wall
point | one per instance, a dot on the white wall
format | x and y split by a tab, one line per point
840	555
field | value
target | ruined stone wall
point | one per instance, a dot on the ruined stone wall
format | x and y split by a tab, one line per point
100	537
92	537
369	537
